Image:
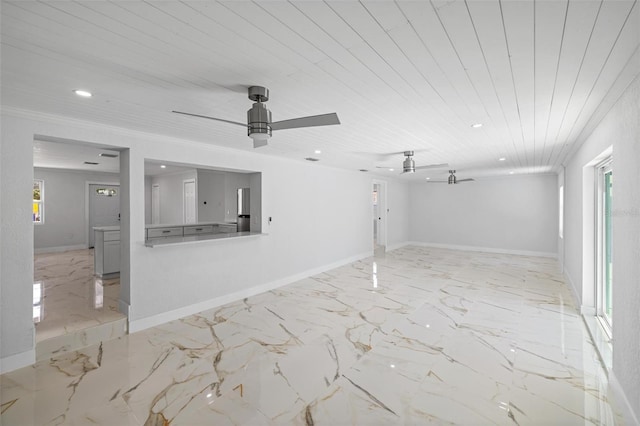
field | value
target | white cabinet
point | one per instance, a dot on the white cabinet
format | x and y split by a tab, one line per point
225	228
106	256
164	232
196	230
111	257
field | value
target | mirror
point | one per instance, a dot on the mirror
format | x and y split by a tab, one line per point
181	194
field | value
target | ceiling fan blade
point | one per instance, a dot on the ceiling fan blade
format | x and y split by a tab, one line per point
311	121
464	180
211	118
437	181
432	166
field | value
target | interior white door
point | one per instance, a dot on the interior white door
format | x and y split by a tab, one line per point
104	207
379	218
155	204
189	197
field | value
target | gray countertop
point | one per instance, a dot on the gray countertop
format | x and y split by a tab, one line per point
189	239
106	228
171	225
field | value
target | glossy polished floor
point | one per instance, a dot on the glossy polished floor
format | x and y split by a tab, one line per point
419	336
70	304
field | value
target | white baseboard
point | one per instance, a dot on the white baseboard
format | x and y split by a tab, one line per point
484	249
152	321
59	249
577	300
14	362
622	403
398	245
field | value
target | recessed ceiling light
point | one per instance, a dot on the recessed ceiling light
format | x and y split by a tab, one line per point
428	178
476	125
501	159
83	93
317	151
511	173
390	170
162	166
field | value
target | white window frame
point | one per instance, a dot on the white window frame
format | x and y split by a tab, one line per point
601	169
40	202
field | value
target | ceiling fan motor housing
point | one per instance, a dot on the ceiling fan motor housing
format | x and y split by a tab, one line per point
259	122
408	165
452	177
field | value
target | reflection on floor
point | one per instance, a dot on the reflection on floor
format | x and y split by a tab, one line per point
419	336
71	307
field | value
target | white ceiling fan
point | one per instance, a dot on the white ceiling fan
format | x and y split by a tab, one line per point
451	180
409	166
259	124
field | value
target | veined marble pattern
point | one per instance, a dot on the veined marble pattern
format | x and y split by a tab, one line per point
69	299
419	336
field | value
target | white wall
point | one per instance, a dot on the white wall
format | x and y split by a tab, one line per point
321	218
171	188
255	199
211	190
620	128
147	200
17	332
65	220
514	214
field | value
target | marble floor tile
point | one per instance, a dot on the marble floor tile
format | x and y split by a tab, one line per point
68	298
417	336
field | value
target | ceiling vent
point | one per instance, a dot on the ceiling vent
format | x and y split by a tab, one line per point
104	154
91	163
311	159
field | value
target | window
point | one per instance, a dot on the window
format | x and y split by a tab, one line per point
604	263
38	201
107	192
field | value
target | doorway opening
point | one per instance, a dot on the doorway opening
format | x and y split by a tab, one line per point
604	252
379	215
83	183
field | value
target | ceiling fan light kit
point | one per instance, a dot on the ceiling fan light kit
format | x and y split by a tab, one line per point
259	125
259	117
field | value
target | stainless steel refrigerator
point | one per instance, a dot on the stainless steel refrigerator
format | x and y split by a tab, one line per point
244	207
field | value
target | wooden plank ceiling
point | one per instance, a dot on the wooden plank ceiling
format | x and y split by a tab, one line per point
539	75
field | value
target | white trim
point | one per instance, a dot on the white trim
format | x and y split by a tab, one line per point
154	320
14	362
485	249
398	245
630	417
59	249
87	184
600	341
574	291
